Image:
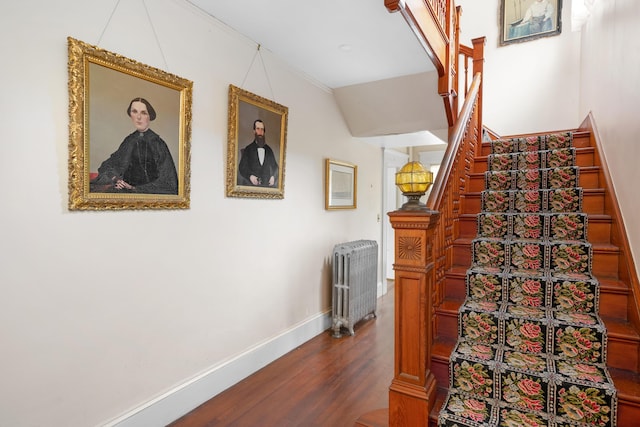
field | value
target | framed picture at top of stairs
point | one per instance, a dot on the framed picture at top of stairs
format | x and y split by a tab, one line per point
525	20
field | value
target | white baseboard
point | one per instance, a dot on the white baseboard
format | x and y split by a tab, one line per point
185	397
381	289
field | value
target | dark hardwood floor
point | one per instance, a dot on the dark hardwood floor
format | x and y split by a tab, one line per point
326	382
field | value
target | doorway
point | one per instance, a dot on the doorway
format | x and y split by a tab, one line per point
393	161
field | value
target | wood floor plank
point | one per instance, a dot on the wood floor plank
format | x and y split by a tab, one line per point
326	382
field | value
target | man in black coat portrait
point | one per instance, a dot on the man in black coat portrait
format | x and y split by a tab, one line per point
258	165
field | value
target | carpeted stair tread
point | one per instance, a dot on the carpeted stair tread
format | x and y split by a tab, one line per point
580	140
584	157
593	201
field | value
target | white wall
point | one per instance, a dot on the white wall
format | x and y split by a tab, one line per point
531	86
610	89
101	312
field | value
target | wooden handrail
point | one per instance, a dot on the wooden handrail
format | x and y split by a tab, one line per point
434	202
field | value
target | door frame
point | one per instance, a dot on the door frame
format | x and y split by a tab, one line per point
391	200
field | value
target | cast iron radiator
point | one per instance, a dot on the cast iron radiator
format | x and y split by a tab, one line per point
355	288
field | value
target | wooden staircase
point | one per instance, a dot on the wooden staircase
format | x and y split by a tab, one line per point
453	204
617	305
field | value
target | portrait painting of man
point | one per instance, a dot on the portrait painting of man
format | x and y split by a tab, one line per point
257	141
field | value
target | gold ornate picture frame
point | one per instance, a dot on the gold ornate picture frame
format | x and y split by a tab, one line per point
255	164
524	20
340	185
129	133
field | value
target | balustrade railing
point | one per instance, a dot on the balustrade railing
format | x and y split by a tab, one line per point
436	24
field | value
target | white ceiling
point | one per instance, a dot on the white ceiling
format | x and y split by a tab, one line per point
336	42
382	79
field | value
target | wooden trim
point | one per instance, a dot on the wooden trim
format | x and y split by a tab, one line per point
626	266
425	24
478	68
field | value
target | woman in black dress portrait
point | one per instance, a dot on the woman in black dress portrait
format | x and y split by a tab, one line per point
142	163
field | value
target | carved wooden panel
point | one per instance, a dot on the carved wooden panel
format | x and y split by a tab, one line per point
410	248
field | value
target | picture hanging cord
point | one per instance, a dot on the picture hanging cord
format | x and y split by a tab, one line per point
264	68
155	35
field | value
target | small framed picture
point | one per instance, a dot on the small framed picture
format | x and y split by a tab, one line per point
524	20
256	148
129	133
341	184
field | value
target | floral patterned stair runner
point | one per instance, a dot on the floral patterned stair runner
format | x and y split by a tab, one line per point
531	347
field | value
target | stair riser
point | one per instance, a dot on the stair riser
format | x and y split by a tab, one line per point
584	158
461	254
440	369
605	262
588	178
447	324
593	203
480	165
613	304
470	203
599	230
628	413
580	140
623	353
476	183
468	227
455	288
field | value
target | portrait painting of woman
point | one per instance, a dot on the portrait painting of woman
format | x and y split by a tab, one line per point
129	133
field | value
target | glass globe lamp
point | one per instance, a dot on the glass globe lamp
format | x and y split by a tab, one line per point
414	181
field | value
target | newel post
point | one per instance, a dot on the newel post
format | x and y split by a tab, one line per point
413	389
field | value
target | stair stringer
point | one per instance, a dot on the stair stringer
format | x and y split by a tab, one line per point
626	269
